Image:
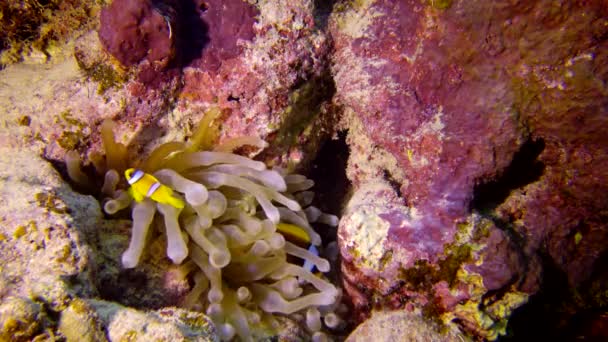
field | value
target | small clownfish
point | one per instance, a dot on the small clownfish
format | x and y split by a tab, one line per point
145	185
300	237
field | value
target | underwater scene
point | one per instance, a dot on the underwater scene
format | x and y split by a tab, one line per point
303	170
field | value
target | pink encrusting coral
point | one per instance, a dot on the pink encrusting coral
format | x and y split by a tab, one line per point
264	64
476	146
134	30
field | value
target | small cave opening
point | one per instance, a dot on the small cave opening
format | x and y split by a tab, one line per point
559	312
193	32
525	168
328	171
322	11
332	189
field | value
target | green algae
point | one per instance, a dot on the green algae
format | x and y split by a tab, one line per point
41	25
73	134
440	4
101	72
22	230
25	120
490	317
69	119
129	336
69	140
19	232
386	259
304	107
423	275
20	319
51	202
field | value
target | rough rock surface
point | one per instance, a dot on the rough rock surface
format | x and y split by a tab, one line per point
43	230
457	107
54	242
49	109
264	65
167	324
275	85
54	108
400	326
134	30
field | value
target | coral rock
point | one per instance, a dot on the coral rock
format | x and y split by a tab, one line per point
400	326
167	324
44	231
20	319
465	107
133	30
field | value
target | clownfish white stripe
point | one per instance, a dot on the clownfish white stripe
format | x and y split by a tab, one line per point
153	188
137	175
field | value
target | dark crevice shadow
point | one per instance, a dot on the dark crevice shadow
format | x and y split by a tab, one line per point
524	169
191	31
393	182
321	12
558	312
328	171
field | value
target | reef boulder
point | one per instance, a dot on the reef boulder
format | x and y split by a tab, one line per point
475	146
134	30
265	65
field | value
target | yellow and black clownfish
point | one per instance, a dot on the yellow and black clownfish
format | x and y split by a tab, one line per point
300	237
144	185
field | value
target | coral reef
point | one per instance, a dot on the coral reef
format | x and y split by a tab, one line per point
264	65
134	30
39	245
461	118
477	163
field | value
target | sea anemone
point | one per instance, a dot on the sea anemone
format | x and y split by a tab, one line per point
231	235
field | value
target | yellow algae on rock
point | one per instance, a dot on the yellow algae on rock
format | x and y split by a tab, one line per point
20	319
80	323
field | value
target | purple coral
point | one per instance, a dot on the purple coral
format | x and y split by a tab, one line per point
134	30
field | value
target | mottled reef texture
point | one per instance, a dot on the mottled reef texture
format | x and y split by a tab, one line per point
154	68
477	157
460	107
265	66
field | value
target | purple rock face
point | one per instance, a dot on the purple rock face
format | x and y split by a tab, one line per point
463	107
133	30
229	24
197	33
248	60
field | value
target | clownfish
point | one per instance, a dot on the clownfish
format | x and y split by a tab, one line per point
300	237
144	185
